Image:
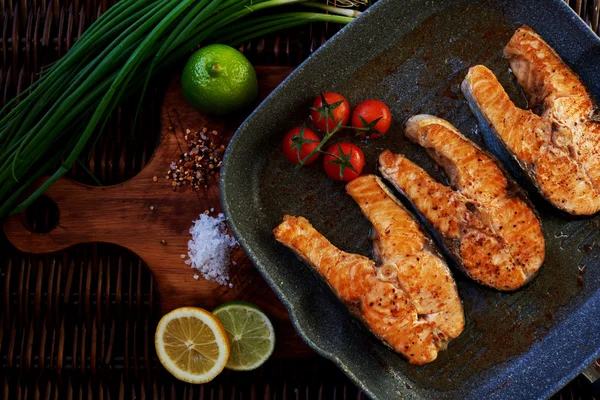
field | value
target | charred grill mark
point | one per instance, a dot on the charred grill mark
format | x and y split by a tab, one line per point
471	207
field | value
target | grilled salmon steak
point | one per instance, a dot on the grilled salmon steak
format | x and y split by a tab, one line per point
486	224
559	149
410	302
407	257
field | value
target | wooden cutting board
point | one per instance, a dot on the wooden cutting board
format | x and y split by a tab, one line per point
150	219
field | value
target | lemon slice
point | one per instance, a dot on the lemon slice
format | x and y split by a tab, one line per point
250	334
191	344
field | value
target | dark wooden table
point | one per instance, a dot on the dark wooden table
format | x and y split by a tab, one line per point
79	323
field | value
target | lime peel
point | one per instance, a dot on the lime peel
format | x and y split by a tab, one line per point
250	334
218	79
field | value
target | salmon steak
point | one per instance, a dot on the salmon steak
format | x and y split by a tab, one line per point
484	221
558	146
408	299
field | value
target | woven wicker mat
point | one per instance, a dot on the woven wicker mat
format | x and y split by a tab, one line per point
79	324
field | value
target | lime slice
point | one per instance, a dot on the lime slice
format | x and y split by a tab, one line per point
191	344
250	333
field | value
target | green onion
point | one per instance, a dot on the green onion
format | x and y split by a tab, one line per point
45	129
335	10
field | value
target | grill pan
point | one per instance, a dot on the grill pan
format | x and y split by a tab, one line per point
413	55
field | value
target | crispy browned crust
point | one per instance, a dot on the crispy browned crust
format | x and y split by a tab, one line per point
402	247
385	308
559	149
487	223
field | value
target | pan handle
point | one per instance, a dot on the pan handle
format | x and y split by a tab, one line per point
592	374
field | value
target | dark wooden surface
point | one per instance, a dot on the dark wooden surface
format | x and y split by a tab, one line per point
79	323
153	221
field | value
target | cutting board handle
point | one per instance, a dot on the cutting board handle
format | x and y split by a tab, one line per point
70	229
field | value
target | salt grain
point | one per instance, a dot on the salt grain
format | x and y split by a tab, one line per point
196	276
209	251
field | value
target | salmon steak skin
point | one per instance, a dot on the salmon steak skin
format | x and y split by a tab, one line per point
558	146
484	220
410	302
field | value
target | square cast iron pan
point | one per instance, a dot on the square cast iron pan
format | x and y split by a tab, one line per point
413	55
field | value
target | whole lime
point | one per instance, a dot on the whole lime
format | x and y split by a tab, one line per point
218	79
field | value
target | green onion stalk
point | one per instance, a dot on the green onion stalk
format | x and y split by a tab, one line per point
44	130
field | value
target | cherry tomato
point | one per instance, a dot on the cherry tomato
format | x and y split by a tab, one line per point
333	107
298	144
366	113
344	161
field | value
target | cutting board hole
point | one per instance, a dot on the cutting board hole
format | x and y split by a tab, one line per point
42	215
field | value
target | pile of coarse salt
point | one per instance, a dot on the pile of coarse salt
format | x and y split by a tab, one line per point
209	251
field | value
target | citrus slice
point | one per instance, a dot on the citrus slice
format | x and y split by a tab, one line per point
250	333
191	344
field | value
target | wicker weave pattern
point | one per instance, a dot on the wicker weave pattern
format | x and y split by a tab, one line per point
80	323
